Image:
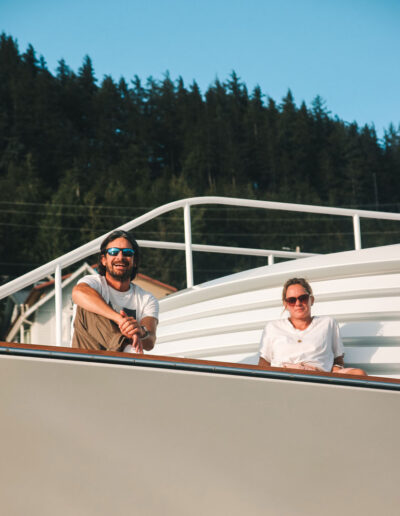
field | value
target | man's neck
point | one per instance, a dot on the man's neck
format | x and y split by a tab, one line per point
122	286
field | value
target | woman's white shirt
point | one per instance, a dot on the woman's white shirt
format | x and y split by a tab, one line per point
318	345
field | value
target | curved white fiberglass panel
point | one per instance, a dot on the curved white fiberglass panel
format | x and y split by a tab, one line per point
223	319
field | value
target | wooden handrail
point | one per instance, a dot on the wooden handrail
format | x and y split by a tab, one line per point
58	352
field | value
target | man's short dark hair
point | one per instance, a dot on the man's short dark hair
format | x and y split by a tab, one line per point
113	236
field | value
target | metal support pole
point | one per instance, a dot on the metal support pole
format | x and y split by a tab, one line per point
58	303
357	231
188	246
271	259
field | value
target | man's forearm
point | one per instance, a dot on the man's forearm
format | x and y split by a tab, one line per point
89	299
150	323
149	341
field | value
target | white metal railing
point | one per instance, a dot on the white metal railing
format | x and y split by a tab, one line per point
55	266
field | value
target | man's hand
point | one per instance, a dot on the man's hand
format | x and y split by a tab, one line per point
129	327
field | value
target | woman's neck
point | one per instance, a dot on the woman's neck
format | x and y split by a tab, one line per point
300	324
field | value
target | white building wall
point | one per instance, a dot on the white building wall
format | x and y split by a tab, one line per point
43	329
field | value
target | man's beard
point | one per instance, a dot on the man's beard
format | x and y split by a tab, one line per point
122	275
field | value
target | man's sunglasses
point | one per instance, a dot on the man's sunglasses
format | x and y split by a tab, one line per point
114	251
303	299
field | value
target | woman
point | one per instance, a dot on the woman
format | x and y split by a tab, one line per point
303	341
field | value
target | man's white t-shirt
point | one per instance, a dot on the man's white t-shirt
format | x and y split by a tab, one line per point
318	345
135	302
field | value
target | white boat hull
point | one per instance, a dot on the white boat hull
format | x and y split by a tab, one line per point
98	439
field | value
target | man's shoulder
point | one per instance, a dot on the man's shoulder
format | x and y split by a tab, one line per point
93	280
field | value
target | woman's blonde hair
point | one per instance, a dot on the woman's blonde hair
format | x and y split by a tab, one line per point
296	281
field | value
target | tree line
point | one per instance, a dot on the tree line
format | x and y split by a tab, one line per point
80	156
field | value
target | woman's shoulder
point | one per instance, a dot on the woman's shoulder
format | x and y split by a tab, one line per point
324	320
276	324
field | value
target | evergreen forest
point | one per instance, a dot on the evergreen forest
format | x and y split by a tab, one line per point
80	156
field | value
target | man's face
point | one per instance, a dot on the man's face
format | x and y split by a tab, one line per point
118	267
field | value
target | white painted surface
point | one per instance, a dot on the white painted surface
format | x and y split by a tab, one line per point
43	326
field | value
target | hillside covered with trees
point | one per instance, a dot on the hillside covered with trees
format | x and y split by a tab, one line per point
80	156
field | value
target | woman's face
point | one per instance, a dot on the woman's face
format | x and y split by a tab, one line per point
301	309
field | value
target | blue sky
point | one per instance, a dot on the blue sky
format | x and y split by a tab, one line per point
345	51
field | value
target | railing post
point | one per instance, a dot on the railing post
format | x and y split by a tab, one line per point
188	246
271	259
58	303
357	231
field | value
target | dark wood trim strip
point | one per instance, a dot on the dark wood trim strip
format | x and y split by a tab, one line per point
159	361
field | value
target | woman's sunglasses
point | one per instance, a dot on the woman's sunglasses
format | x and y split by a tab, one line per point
114	251
303	299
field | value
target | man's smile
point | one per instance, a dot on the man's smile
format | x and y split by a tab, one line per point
124	263
120	269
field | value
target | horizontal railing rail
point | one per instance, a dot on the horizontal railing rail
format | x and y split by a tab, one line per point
55	266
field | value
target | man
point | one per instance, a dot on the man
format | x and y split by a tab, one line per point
112	313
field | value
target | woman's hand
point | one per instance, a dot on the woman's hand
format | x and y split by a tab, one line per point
301	365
